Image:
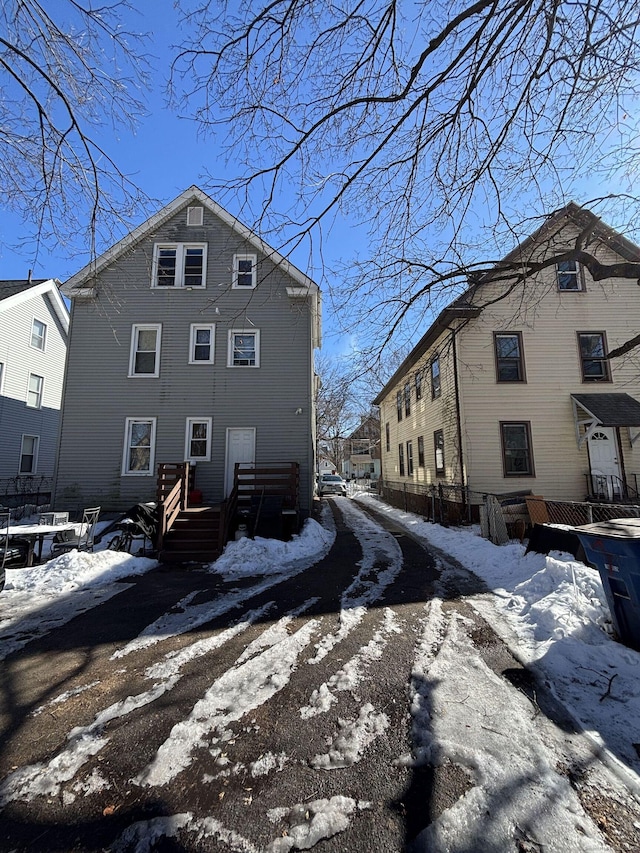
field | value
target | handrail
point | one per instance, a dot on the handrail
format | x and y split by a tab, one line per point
170	504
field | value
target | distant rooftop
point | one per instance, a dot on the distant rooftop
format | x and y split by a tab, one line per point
9	287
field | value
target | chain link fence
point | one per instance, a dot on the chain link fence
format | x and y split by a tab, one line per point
501	516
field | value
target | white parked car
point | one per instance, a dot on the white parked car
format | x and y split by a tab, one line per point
332	484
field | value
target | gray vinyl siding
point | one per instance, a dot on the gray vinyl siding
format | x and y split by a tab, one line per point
100	396
19	360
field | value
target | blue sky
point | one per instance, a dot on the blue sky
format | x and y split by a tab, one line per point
163	157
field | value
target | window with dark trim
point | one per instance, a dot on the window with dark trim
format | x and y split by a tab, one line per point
435	378
399	404
593	361
418	381
509	360
401	459
420	451
387	435
517	455
409	458
569	276
438	450
407	398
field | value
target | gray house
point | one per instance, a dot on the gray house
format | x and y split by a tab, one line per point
191	341
34	330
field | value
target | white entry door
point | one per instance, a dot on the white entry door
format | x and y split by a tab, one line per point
605	468
241	447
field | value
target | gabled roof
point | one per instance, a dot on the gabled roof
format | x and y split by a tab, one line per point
440	325
14	292
82	283
9	287
463	306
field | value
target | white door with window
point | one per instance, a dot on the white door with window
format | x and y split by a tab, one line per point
241	447
605	466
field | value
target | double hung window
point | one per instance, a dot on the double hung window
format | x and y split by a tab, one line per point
139	446
568	275
34	391
201	347
387	435
29	454
198	440
399	404
420	451
418	381
407	398
509	360
401	459
179	265
438	449
409	458
435	378
244	272
144	359
244	348
38	334
517	456
593	351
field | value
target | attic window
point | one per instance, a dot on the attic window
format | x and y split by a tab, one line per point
569	277
244	272
179	265
195	215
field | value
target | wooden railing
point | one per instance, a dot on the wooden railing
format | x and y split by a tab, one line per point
280	479
173	484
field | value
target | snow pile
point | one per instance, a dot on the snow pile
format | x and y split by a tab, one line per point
256	557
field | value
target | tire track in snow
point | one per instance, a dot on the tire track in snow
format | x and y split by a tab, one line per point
380	565
241	689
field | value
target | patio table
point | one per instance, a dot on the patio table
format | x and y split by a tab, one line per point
36	533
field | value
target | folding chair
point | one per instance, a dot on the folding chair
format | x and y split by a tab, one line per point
82	540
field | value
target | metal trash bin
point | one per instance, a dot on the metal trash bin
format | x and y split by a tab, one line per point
613	548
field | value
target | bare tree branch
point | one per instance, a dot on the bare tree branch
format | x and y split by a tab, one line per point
61	79
436	126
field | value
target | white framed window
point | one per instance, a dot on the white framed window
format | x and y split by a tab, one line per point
198	440
179	265
139	446
244	272
144	358
1	376
38	334
29	454
202	343
34	391
244	348
569	276
195	215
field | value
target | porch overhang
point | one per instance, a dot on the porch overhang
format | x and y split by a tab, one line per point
605	410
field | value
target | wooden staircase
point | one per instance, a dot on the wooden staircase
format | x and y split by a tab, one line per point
266	495
186	534
194	537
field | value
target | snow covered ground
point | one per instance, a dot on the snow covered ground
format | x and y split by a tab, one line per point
550	610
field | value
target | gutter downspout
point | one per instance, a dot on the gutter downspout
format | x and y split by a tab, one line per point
458	421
